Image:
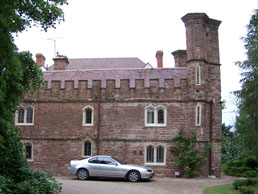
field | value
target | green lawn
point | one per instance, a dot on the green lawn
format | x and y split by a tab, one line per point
223	189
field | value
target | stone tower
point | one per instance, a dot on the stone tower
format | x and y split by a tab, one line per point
203	62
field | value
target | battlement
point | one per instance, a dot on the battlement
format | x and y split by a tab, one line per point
116	74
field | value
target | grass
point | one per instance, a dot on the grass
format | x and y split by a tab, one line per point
223	189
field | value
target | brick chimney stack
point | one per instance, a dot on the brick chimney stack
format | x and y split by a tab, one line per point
159	56
60	62
180	58
40	59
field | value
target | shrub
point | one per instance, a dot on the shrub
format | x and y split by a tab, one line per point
246	190
15	175
246	167
239	183
233	171
242	185
186	156
4	184
251	161
250	173
38	182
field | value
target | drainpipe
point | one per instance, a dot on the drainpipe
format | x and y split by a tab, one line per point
98	121
211	132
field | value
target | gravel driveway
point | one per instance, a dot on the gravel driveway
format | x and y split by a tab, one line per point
155	186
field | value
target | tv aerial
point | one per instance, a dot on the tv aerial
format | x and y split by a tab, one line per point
54	40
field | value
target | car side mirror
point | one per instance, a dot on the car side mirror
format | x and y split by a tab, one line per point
115	163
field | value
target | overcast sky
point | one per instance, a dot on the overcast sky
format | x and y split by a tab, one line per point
138	28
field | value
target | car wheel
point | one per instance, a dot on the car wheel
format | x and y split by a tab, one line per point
82	174
134	176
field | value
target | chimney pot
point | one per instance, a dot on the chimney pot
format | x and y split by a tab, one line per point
40	59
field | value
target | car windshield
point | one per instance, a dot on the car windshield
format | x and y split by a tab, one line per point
119	161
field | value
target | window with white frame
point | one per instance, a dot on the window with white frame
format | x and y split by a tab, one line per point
198	114
155	116
87	148
24	116
28	148
198	75
88	115
155	155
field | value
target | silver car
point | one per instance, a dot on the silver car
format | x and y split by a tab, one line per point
107	166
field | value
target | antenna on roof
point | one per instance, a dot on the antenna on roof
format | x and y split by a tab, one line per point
54	40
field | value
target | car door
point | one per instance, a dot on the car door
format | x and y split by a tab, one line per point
109	168
93	166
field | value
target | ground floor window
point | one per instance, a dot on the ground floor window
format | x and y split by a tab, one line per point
155	155
28	151
87	148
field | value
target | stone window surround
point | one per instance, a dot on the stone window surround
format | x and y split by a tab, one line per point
84	116
83	151
198	75
155	163
198	122
25	115
156	108
24	143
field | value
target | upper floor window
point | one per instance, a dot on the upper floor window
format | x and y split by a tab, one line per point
198	75
150	115
24	116
88	113
155	155
198	114
155	116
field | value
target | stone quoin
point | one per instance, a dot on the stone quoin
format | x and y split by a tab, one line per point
125	108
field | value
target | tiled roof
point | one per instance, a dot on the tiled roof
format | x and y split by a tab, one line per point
104	63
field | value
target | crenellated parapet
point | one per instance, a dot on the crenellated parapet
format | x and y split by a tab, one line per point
132	75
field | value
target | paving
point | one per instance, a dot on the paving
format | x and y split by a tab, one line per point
155	186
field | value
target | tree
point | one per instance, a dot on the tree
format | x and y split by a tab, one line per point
231	144
19	74
247	121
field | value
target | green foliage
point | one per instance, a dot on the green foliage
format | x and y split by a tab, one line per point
245	167
242	185
20	74
17	15
186	156
246	190
38	182
232	145
247	121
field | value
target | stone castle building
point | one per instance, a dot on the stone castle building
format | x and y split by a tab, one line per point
119	107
